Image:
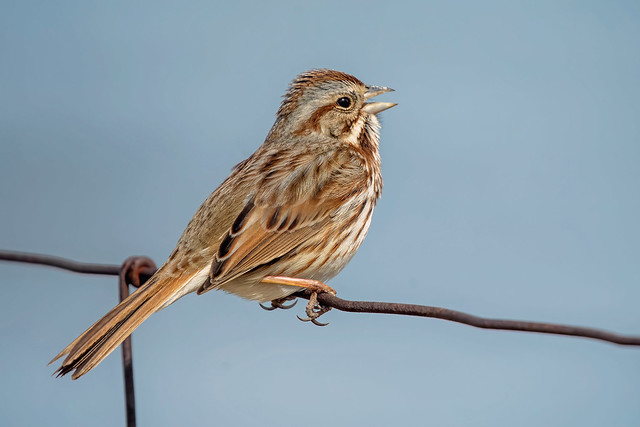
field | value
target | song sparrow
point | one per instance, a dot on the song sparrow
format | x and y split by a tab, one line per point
290	216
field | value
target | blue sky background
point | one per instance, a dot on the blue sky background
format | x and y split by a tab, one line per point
512	177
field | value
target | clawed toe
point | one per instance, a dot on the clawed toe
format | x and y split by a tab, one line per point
264	307
286	307
280	303
314	310
314	321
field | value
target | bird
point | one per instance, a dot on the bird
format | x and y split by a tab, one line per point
288	218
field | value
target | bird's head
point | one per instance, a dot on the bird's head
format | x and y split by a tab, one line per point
330	104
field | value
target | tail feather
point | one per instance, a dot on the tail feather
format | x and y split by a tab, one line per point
102	325
90	348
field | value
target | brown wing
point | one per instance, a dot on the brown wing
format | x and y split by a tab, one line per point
285	213
266	234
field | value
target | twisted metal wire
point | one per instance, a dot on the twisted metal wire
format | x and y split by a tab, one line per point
137	270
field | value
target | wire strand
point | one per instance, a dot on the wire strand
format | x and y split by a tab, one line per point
366	306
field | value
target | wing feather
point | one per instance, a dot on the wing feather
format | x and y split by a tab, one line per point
286	212
258	243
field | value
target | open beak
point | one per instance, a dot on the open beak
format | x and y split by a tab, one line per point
376	107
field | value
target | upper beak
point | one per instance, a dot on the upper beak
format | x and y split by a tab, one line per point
376	90
376	107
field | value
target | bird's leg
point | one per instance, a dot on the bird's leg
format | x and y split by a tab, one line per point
308	284
313	309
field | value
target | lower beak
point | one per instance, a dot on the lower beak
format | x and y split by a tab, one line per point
376	107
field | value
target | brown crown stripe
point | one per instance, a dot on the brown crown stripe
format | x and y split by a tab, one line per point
307	79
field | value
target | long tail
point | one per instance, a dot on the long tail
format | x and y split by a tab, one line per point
86	351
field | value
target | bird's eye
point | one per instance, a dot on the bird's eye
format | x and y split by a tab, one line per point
344	102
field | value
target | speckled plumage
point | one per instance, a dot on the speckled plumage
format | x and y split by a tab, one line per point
300	206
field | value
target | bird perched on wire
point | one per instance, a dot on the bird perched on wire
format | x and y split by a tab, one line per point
289	217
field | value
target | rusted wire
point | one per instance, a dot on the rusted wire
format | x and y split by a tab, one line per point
364	306
127	361
469	319
137	270
134	271
63	263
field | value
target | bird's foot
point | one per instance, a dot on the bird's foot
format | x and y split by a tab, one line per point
314	309
280	303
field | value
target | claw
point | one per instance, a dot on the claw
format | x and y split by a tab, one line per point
279	303
314	310
264	307
283	306
314	321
